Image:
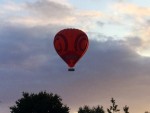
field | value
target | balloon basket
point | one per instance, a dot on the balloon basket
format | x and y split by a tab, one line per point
71	69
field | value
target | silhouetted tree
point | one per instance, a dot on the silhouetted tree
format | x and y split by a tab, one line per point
87	109
113	108
39	103
147	112
126	109
98	109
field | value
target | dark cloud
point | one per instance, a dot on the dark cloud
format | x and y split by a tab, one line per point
101	24
50	9
28	62
148	22
134	41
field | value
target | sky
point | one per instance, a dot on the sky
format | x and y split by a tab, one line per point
116	64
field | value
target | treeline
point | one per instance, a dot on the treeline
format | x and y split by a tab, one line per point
99	109
44	102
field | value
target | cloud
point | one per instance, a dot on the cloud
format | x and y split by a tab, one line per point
44	12
136	18
10	6
57	13
30	63
50	9
99	23
142	30
22	42
110	68
134	41
41	12
132	9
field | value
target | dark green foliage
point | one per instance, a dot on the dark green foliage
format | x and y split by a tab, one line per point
87	109
113	108
39	103
126	109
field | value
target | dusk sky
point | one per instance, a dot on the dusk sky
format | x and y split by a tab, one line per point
116	64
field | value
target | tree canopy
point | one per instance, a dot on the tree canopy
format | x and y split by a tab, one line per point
87	109
42	102
99	109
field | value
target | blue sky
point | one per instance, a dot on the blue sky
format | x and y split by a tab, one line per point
117	63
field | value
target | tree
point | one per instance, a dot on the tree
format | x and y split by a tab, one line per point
39	103
98	109
113	108
87	109
126	109
147	112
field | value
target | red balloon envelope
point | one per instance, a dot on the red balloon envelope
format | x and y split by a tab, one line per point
71	45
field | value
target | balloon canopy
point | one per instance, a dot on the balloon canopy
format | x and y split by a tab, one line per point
71	45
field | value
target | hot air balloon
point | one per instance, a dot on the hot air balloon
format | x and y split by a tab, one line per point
71	45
